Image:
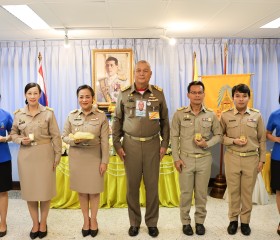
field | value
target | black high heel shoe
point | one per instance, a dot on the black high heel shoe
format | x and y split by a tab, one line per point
43	234
278	230
33	235
2	234
85	232
93	233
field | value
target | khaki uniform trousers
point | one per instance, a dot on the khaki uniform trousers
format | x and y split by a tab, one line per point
241	174
195	177
142	159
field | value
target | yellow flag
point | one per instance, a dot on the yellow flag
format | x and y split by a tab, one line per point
195	70
218	91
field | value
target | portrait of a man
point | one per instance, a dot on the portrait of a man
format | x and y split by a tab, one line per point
112	71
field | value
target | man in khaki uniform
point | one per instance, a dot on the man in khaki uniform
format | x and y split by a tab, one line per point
141	149
195	129
244	136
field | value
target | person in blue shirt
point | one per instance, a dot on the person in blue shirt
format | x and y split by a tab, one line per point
274	125
6	122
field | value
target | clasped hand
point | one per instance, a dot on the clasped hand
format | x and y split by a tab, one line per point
201	143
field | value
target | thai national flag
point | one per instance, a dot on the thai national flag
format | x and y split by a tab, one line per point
43	100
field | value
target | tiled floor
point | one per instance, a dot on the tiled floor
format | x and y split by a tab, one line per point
113	223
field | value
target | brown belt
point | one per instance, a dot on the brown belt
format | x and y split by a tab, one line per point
196	155
142	139
243	154
44	141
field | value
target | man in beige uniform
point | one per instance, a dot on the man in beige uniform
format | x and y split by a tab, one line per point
141	149
244	136
194	130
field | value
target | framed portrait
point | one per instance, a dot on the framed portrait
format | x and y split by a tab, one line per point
112	70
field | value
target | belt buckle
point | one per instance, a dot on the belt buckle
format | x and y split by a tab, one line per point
198	155
142	139
243	154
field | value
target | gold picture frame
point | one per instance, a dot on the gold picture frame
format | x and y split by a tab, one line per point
112	70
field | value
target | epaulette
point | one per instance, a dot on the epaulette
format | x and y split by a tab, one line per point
125	88
181	108
48	108
227	110
16	111
209	109
254	110
100	111
74	111
158	88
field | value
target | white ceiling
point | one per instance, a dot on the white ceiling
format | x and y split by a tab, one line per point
91	19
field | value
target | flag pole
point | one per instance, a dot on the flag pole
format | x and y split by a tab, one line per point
220	184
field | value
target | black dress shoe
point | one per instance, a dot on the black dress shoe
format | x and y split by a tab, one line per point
93	233
85	232
153	231
245	229
133	231
43	234
199	229
34	235
232	227
187	229
2	234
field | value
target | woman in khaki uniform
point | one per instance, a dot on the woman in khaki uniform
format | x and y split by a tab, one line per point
36	130
88	158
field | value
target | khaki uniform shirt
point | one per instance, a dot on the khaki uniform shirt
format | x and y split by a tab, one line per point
185	124
96	123
126	121
43	125
249	125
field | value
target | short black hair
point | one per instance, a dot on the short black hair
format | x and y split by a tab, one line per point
242	88
31	85
85	87
195	83
113	59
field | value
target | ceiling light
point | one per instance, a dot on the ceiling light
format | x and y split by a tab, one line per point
66	39
273	24
171	41
27	15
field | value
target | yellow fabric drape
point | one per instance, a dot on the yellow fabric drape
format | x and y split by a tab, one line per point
114	194
266	174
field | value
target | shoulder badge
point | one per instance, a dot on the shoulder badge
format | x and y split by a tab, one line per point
48	108
74	111
209	109
158	88
125	88
181	108
254	110
227	110
16	111
100	111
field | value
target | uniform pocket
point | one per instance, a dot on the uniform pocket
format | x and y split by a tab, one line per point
187	129
233	130
129	109
251	129
44	127
205	128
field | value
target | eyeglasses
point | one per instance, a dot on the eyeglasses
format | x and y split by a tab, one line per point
195	93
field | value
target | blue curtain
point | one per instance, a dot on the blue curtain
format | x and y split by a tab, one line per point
67	68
